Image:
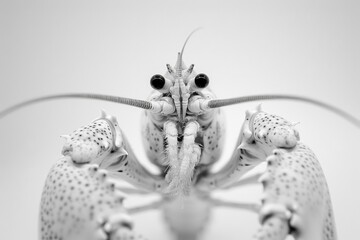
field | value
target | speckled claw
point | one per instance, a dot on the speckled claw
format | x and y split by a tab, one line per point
117	226
95	142
273	228
100	234
295	197
111	184
296	200
88	143
101	175
274	131
118	220
81	202
92	169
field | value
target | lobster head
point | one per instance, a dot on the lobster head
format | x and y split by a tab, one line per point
180	82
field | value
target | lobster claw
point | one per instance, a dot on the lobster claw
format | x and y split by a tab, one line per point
100	213
296	199
95	142
273	228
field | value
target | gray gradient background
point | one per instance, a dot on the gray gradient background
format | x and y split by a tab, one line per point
309	48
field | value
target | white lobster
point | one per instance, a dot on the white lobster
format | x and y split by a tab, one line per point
183	132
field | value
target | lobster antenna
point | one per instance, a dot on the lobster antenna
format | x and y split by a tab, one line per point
127	101
231	101
179	60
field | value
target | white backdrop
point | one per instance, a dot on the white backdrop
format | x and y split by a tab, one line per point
308	48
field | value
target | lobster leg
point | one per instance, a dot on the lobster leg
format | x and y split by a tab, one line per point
253	207
245	157
131	190
253	179
146	207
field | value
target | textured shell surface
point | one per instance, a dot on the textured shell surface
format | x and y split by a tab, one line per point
303	48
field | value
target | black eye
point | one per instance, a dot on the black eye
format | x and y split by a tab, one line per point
201	80
157	81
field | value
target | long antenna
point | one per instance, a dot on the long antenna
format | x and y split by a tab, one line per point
127	101
231	101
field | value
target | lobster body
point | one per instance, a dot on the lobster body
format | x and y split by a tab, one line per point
296	199
183	132
187	217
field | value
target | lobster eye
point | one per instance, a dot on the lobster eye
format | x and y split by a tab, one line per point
157	82
201	80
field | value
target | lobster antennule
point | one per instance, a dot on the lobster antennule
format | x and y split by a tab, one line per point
187	39
127	101
179	66
231	101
